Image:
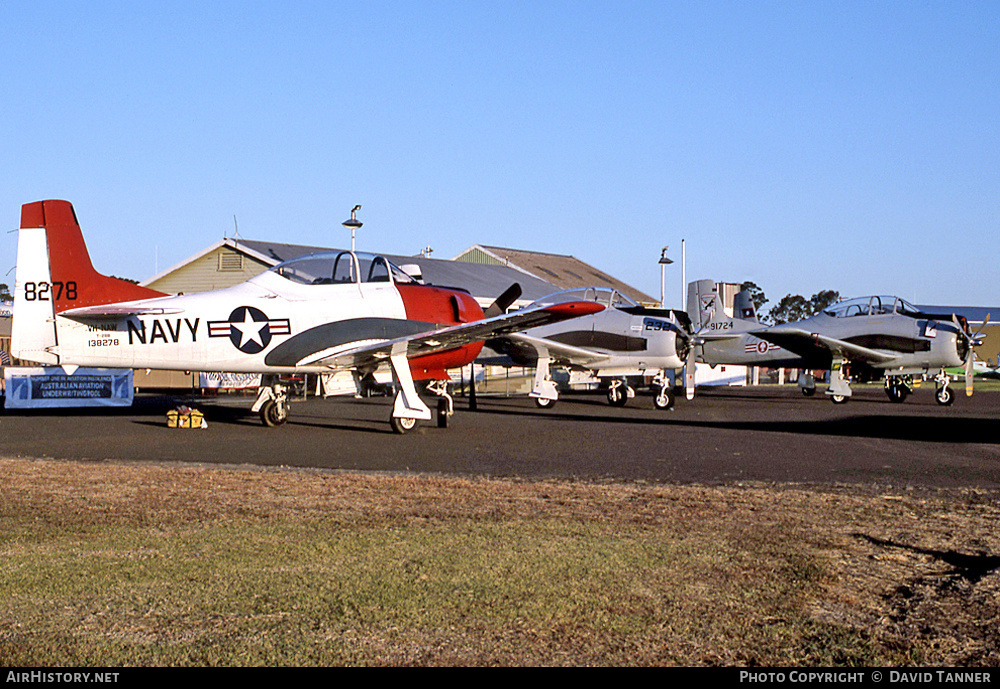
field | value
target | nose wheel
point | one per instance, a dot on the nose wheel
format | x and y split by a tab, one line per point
664	399
944	394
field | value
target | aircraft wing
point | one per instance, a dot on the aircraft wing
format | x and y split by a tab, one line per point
813	345
449	337
560	353
122	310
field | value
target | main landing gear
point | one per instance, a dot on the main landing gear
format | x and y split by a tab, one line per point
899	387
619	392
272	403
445	409
408	409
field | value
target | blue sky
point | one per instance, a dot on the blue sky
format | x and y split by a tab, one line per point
804	146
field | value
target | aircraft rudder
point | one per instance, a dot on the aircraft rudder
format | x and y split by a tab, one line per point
703	303
72	280
33	334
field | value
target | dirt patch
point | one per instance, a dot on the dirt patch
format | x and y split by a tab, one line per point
917	571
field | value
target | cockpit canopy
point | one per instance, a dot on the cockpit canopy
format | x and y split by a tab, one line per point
871	306
605	296
340	267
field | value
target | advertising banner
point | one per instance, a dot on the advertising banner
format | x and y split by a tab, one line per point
229	381
31	387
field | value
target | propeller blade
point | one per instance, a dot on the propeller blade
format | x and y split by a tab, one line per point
973	341
502	303
689	374
968	373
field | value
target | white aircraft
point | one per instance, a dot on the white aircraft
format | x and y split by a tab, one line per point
869	338
624	339
322	313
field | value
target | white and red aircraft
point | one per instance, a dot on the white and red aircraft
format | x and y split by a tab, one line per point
321	313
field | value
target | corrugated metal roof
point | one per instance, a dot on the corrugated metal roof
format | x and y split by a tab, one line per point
563	271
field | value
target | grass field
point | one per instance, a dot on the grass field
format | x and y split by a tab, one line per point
109	564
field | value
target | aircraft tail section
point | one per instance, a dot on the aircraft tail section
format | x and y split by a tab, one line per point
743	307
55	273
74	281
708	313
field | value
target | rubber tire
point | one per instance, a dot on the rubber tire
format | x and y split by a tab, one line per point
839	399
944	396
897	393
618	397
402	426
272	414
808	392
442	413
664	400
543	403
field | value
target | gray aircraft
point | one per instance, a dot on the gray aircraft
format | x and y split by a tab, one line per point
865	339
624	340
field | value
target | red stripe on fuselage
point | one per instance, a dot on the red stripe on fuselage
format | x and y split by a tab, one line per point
70	267
442	307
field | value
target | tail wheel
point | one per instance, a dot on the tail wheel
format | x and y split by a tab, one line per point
274	413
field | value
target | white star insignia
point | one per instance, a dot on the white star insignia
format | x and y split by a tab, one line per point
250	329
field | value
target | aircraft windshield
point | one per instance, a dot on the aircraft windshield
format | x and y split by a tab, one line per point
870	306
607	297
339	267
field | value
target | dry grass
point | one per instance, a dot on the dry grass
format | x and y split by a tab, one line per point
127	564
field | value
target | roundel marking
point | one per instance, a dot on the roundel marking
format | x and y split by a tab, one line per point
250	330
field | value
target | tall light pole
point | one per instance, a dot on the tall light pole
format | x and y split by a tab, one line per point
353	224
683	276
664	261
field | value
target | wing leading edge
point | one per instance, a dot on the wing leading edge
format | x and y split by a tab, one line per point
426	342
815	345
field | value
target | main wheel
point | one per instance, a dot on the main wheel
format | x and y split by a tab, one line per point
839	399
808	392
402	425
544	403
618	396
274	413
442	413
896	393
944	396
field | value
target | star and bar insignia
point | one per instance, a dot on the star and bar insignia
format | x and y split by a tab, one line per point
249	329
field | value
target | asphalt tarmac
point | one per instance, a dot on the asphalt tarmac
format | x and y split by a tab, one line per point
768	434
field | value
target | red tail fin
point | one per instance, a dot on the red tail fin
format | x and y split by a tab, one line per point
75	283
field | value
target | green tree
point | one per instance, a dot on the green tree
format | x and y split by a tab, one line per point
756	295
795	307
823	299
5	292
